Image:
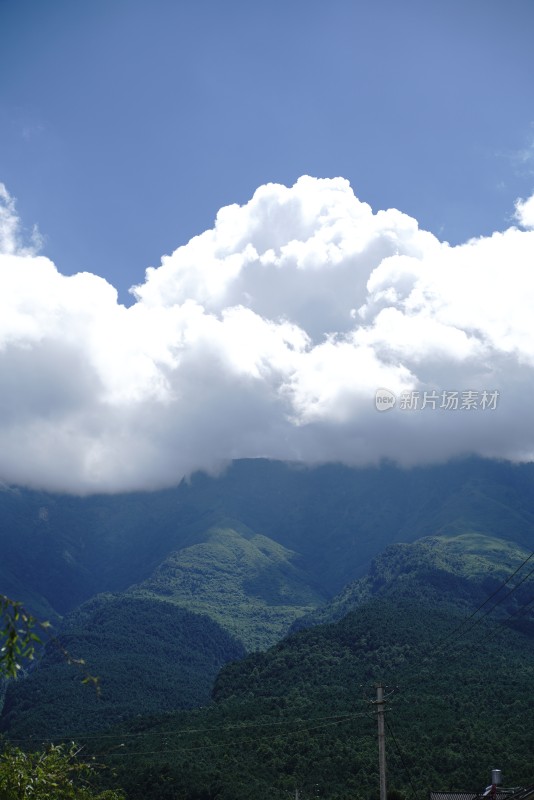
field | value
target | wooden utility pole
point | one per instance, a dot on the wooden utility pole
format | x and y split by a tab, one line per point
380	703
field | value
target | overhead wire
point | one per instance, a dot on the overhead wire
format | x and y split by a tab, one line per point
478	620
214	746
330	719
448	638
519	612
487	600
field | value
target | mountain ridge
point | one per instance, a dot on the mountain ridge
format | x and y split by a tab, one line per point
472	564
59	551
192	551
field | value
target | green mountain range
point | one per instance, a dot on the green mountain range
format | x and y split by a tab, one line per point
300	718
58	551
331	579
159	645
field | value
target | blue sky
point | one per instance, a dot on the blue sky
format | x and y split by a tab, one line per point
161	145
125	124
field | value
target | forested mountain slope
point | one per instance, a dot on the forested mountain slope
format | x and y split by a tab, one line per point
149	656
159	645
298	717
58	551
458	569
156	569
246	582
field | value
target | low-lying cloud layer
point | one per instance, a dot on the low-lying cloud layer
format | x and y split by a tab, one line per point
268	336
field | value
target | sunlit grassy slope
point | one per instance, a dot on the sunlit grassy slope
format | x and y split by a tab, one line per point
245	581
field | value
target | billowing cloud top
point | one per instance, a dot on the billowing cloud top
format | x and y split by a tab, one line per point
269	336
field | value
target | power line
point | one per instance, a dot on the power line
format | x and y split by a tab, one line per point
519	612
213	746
459	627
189	731
479	619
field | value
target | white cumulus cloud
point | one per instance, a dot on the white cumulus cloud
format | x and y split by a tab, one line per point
267	335
524	212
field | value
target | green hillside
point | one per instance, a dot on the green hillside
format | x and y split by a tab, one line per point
58	551
244	581
298	718
149	655
176	584
460	569
159	645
